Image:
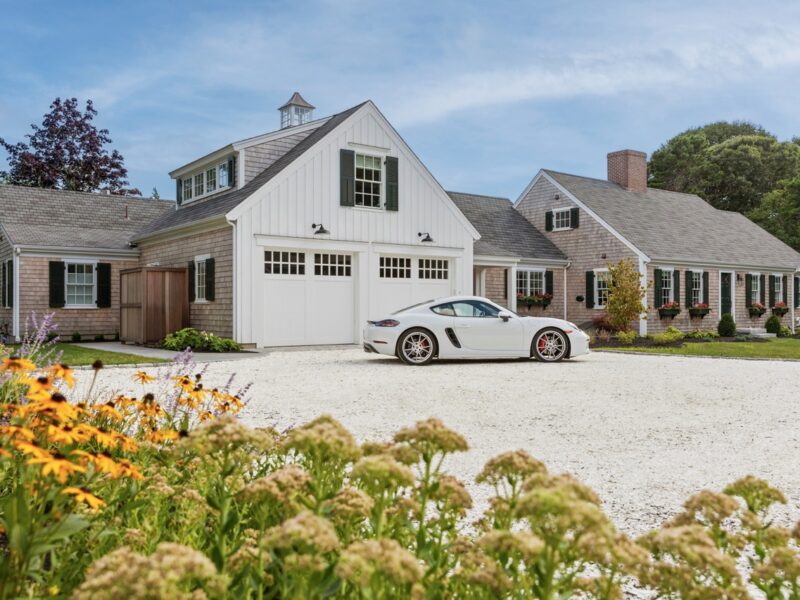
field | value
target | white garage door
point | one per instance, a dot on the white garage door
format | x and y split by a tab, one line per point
404	280
309	298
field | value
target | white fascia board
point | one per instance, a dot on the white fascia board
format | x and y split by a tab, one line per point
528	188
421	250
212	156
63	251
481	260
280	133
588	211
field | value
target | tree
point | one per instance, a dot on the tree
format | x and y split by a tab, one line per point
779	212
155	195
731	165
625	295
67	152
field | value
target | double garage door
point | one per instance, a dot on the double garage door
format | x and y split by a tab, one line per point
311	297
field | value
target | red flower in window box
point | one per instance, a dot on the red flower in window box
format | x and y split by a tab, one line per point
757	309
780	309
700	310
669	310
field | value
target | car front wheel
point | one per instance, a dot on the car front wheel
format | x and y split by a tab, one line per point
416	347
550	345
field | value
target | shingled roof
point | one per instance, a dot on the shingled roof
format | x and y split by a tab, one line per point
58	218
671	226
221	204
504	231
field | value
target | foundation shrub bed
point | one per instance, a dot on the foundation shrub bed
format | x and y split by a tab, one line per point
198	341
167	495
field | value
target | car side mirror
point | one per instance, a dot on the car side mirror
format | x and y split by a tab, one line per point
505	315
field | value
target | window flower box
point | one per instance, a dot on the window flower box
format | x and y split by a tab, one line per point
542	300
757	310
780	309
670	310
698	311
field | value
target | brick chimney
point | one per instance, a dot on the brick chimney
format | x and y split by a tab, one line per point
628	168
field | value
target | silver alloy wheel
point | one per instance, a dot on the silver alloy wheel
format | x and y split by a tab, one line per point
551	345
417	347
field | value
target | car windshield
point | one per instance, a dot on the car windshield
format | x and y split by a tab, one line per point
418	304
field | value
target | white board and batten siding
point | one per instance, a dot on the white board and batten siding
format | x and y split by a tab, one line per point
314	308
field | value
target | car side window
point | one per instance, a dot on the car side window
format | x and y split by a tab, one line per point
446	310
474	308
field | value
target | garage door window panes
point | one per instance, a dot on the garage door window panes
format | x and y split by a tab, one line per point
395	267
433	268
279	262
332	265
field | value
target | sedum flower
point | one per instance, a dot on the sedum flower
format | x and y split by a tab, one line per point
324	438
361	561
452	494
349	503
283	485
511	467
523	545
431	437
220	434
381	472
304	533
757	493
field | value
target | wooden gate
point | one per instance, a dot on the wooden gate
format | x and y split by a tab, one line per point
154	301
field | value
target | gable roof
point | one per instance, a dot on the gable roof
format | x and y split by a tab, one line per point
219	205
504	231
672	226
64	219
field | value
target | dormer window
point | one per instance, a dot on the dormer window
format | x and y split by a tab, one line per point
208	181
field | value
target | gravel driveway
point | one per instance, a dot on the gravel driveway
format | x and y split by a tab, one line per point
644	431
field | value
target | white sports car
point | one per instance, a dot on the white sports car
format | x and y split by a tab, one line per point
471	327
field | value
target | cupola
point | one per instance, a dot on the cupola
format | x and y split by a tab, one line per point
296	111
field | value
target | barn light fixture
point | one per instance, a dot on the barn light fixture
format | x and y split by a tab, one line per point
320	229
426	239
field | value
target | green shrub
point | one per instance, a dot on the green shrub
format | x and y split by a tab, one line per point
773	324
199	341
726	326
702	334
76	336
627	338
785	331
668	337
99	337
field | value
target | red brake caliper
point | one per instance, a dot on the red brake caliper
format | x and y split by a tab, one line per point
542	343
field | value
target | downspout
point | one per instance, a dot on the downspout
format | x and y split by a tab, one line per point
15	326
567	266
234	284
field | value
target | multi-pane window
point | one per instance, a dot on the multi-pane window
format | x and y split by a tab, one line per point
211	180
368	181
80	284
187	189
530	283
281	262
395	267
562	219
777	281
200	279
666	287
697	288
755	288
222	175
601	279
199	188
333	265
433	268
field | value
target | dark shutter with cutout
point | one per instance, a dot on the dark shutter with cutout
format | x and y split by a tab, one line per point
548	282
179	191
589	287
210	279
548	221
797	292
57	299
748	298
785	290
676	284
191	281
764	289
705	288
772	290
574	218
688	292
392	189
10	283
658	288
347	176
103	285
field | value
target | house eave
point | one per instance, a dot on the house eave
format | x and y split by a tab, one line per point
722	265
216	154
183	229
36	250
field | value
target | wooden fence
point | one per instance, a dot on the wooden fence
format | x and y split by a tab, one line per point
154	301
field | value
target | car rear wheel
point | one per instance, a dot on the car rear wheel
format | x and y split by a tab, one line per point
417	347
550	345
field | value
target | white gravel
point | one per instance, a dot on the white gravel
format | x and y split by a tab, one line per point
644	431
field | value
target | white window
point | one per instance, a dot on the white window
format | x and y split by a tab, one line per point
777	280
530	283
222	175
333	265
80	284
187	189
601	279
200	278
755	289
368	181
666	287
211	180
433	268
207	181
395	267
697	288
199	188
283	262
562	219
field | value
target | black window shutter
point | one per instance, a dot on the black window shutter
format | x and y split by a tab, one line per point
57	284
3	286
231	171
748	290
688	292
589	287
763	289
103	285
676	292
772	290
10	284
785	289
347	175
548	220
179	191
658	288
797	292
705	287
574	218
210	279
392	189
191	281
506	275
548	282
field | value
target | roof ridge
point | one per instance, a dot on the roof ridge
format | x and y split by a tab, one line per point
478	195
17	186
656	189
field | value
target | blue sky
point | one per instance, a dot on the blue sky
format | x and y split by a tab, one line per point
486	93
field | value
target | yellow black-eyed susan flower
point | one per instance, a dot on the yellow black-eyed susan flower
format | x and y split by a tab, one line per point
84	495
142	377
16	364
58	465
64	373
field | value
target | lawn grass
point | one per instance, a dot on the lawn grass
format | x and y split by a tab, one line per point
774	348
77	356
